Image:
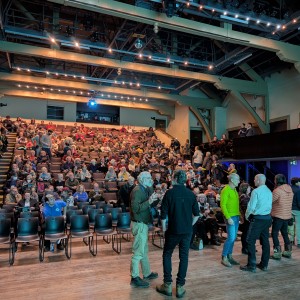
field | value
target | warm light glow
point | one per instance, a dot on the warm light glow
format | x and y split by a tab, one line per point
67	91
185	62
81	92
210	67
44	89
47	73
283	27
56	74
159	87
52	40
18	69
236	16
28	70
213	10
51	89
225	13
109	50
74	92
150	57
76	44
140	55
130	83
66	75
123	82
146	100
168	60
102	95
27	86
116	81
74	76
82	77
122	97
258	21
35	87
201	6
115	97
268	24
138	84
295	21
19	85
247	19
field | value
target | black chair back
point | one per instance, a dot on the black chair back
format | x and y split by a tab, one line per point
9	207
123	220
6	215
54	225
5	226
103	222
107	207
100	204
92	214
81	204
114	212
72	213
86	208
79	223
29	214
72	207
27	226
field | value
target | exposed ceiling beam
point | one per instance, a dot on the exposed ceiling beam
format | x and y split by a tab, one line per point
286	52
23	79
163	110
225	83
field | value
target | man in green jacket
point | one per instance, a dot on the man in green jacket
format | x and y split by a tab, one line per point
231	211
142	199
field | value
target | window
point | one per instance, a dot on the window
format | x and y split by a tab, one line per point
55	112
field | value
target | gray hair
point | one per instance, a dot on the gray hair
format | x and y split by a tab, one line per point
143	175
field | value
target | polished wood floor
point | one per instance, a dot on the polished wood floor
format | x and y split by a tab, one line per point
106	276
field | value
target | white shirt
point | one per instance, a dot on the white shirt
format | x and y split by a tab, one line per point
260	202
198	156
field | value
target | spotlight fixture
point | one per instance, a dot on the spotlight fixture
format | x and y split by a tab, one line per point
92	103
138	44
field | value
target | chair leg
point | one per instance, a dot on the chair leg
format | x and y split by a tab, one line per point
107	239
11	258
69	248
117	238
66	245
41	249
91	245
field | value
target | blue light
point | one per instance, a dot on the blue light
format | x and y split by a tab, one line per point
92	103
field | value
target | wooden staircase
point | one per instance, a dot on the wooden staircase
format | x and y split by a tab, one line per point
5	163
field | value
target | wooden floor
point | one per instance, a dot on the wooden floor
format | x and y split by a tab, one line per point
106	276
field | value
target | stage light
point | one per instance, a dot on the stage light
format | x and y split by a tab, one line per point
138	44
92	103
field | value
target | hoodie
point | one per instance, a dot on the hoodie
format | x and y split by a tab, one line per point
282	202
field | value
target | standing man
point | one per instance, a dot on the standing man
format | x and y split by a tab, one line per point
47	143
258	213
181	207
142	199
231	210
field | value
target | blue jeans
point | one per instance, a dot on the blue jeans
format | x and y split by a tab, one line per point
231	236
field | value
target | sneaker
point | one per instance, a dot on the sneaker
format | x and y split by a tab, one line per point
180	291
165	289
260	266
152	275
225	262
52	247
138	282
232	261
248	269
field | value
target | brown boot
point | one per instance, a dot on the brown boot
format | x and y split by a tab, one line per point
165	288
180	291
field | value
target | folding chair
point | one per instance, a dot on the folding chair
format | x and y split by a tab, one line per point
55	230
80	228
7	238
123	227
103	227
27	231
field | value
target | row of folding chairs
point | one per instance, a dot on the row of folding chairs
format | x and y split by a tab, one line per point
28	231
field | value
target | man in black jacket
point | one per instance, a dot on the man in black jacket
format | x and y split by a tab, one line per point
124	193
295	183
181	207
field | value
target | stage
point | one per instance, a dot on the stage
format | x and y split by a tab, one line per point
106	276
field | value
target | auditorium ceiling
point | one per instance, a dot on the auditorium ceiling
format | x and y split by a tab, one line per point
145	53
